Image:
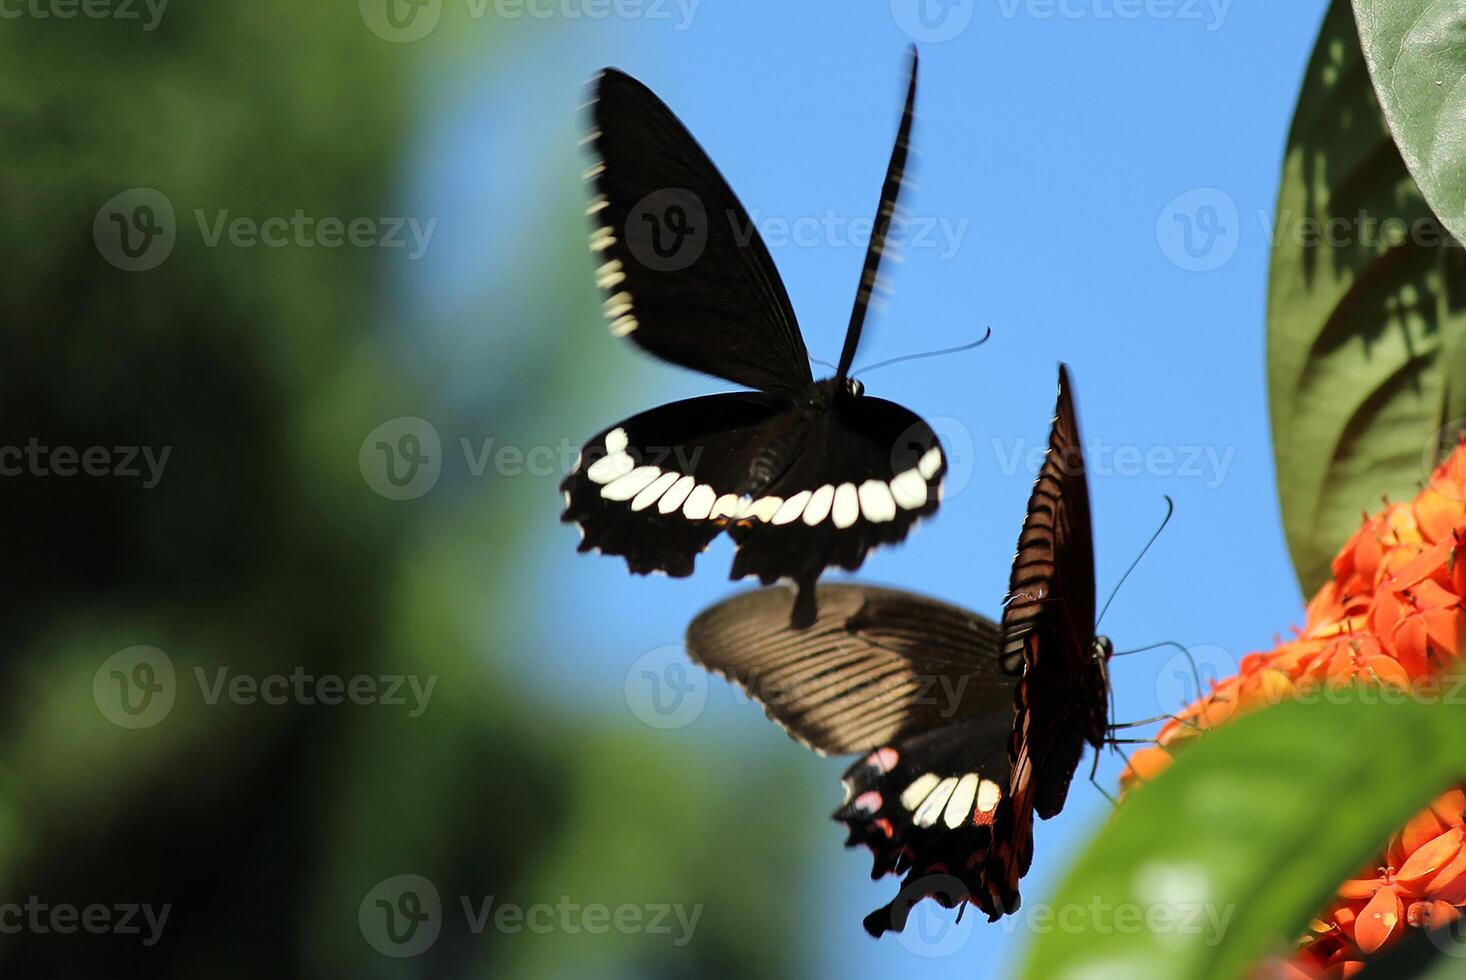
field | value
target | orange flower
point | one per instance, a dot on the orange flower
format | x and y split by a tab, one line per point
1391	615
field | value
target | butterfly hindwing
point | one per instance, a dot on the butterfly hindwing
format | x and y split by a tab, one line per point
875	666
658	487
798	488
925	806
911	684
685	272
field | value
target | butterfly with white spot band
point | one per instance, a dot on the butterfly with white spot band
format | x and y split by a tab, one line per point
803	475
965	729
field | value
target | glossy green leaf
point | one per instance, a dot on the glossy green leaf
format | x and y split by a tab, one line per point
1416	51
1219	863
1366	313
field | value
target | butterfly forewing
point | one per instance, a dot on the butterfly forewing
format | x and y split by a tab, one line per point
685	273
1048	635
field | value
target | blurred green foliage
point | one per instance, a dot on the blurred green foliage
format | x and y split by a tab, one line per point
1366	314
262	550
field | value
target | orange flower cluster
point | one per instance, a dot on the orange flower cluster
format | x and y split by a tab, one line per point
1391	615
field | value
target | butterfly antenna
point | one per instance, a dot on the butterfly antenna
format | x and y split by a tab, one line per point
1170	509
931	353
822	362
885	212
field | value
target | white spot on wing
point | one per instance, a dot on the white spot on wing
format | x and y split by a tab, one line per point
793	507
819	505
616	440
610	274
764	509
876	502
631	484
699	503
960	805
610	468
654	491
927	815
909	489
673	498
847	506
930	463
920	787
728	505
988	795
617	305
622	326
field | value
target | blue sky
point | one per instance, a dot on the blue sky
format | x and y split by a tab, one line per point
1097	177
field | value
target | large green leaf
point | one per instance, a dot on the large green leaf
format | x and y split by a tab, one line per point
1250	830
1365	321
1416	50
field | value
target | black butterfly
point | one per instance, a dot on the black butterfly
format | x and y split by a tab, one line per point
950	774
802	474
